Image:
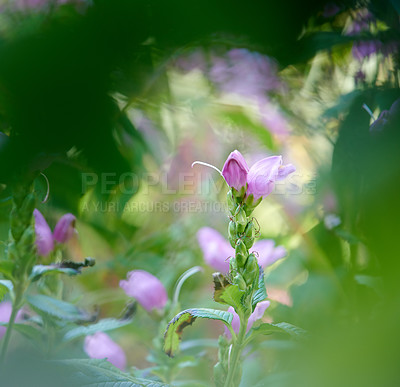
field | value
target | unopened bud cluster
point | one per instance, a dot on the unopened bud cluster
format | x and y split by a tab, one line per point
244	269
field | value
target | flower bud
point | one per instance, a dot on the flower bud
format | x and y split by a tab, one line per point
233	267
146	289
232	233
100	346
249	235
241	253
231	202
241	220
235	170
65	228
239	281
44	237
252	270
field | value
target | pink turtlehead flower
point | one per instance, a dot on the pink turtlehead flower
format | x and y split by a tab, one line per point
235	170
64	230
5	314
217	250
146	289
44	236
101	346
256	315
263	174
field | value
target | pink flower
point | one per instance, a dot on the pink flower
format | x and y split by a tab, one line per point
267	252
263	174
256	315
146	289
217	250
235	170
44	237
63	231
100	346
5	314
65	228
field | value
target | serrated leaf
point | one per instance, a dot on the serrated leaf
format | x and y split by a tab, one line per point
56	308
41	270
261	293
5	287
175	327
292	330
283	327
104	325
100	372
227	293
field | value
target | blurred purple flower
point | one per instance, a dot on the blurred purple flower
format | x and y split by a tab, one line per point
192	61
44	236
101	346
235	170
5	314
256	315
263	174
65	228
330	9
386	117
272	118
365	48
246	73
361	23
39	5
146	289
217	250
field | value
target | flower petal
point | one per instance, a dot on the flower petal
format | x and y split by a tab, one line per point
262	175
65	228
44	236
216	249
146	289
258	313
100	346
267	252
235	170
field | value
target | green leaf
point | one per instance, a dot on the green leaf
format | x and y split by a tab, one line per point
175	327
100	372
283	327
27	330
104	325
5	287
56	308
41	270
227	293
261	293
7	267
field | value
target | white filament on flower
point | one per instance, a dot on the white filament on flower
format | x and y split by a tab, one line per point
48	188
210	166
369	111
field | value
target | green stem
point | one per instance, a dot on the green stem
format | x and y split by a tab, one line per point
237	348
10	326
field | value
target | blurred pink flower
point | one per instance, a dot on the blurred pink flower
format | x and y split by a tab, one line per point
256	315
5	314
101	346
146	289
235	170
217	250
280	295
267	252
64	230
44	236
